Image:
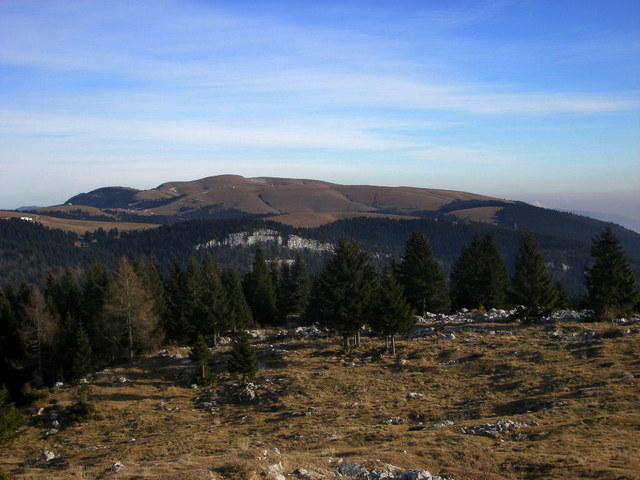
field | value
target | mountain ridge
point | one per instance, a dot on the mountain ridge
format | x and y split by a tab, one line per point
214	196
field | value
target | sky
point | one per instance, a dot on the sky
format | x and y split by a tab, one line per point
534	100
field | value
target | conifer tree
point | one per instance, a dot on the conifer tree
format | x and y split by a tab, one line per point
174	323
200	355
214	300
10	418
82	360
422	278
131	310
479	277
193	307
94	294
293	287
11	347
243	357
391	313
611	285
238	311
342	294
532	285
152	281
260	291
299	286
37	331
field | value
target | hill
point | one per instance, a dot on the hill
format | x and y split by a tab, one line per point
469	398
226	196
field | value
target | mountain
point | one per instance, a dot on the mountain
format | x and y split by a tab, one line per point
232	196
229	214
626	222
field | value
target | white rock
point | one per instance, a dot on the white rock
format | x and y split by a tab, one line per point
47	456
116	467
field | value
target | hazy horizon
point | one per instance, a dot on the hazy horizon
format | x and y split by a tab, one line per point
533	101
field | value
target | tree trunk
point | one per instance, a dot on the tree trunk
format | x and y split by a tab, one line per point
393	344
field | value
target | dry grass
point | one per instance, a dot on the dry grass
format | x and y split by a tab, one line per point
77	226
319	406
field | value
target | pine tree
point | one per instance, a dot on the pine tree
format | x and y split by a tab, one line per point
260	292
611	285
200	355
532	285
479	277
342	294
243	357
424	283
391	313
239	313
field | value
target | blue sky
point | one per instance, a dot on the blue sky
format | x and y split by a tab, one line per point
533	100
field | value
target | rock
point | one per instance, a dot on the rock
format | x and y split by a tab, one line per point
117	467
493	430
414	395
58	385
274	472
351	469
121	380
302	473
51	431
416	475
47	456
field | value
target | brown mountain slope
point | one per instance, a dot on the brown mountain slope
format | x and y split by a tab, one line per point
274	196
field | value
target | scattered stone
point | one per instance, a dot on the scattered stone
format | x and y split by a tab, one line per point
117	467
494	430
351	469
354	470
274	472
47	456
443	424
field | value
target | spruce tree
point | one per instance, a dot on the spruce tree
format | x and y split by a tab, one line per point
10	418
532	285
238	311
391	313
174	323
342	294
94	294
294	286
200	355
82	361
479	277
243	358
422	278
260	291
214	300
611	285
